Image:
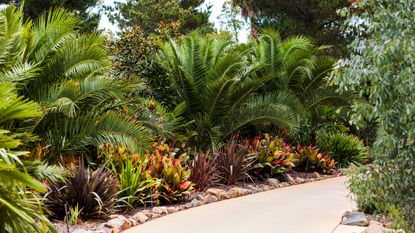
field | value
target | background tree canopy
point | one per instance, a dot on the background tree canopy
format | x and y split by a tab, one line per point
34	8
150	15
317	18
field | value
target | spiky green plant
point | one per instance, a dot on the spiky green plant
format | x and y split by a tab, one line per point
219	87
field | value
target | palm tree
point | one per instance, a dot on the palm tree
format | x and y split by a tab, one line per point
298	68
219	86
21	209
64	71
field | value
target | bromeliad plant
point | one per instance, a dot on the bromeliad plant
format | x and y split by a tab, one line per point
274	156
174	178
135	188
309	158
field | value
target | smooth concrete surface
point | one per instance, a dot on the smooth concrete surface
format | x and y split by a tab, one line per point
349	229
308	208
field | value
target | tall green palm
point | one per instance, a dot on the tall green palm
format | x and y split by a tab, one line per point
21	209
219	88
63	71
298	68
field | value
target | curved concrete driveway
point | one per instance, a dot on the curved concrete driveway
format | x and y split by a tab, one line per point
309	208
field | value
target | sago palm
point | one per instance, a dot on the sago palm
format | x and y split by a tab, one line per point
219	88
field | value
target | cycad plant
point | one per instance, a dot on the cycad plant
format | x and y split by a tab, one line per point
219	88
21	209
298	67
63	71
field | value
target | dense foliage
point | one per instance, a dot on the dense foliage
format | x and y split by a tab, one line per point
81	8
317	18
153	15
381	68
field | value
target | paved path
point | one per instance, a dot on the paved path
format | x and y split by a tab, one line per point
309	208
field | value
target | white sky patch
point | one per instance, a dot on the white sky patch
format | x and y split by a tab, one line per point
216	9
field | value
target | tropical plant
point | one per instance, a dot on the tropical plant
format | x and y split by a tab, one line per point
297	67
134	188
345	149
309	158
21	209
274	156
234	162
93	193
218	86
174	178
204	173
380	68
63	70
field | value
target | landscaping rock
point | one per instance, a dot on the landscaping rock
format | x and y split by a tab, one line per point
284	184
159	210
81	231
172	209
299	180
201	198
376	227
195	203
266	188
140	217
116	222
315	175
275	183
355	219
289	179
219	193
235	192
211	198
126	224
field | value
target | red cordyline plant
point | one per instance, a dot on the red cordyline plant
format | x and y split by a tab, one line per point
204	171
234	162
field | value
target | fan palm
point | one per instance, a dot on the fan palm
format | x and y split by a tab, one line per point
63	71
21	210
219	88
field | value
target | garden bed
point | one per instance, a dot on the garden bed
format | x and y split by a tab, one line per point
123	221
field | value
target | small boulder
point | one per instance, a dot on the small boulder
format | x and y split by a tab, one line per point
275	183
195	203
355	219
315	175
299	180
235	192
201	198
211	198
172	209
289	179
284	184
219	193
159	210
140	217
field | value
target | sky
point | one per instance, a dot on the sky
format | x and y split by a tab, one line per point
216	11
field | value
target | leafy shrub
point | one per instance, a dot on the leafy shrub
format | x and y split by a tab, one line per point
174	179
234	162
204	172
309	158
274	156
134	188
344	148
92	192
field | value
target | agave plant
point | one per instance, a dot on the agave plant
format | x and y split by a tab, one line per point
274	156
93	193
219	88
21	209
